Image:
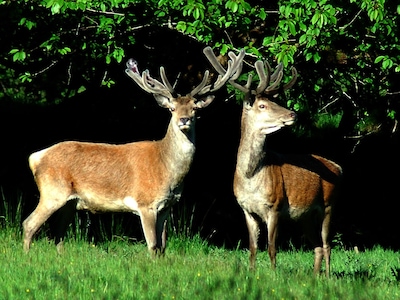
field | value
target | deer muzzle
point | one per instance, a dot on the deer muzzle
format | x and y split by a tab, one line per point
184	123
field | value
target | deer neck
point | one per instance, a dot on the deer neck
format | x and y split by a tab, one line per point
251	153
178	150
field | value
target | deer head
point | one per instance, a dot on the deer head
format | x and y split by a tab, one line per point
167	97
264	115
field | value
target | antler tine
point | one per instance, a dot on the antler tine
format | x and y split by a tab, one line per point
292	81
209	53
232	72
147	83
166	81
264	77
198	89
153	86
273	89
138	79
221	80
238	59
133	72
279	68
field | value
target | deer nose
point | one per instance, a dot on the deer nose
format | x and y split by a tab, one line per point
293	115
184	121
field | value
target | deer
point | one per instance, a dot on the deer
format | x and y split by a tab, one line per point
143	177
269	186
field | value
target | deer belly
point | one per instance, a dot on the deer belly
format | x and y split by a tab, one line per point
127	204
298	212
255	204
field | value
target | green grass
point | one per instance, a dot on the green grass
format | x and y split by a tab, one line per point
191	269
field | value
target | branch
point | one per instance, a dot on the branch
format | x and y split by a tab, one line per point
393	93
45	69
329	104
105	12
352	21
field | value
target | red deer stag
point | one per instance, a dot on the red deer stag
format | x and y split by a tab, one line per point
269	185
145	178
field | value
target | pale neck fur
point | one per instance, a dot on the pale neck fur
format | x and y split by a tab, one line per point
178	150
251	153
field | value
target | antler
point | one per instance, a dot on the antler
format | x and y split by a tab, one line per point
263	70
231	73
151	85
148	83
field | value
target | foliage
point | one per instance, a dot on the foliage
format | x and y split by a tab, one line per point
346	51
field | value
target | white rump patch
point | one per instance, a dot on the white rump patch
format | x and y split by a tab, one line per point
34	158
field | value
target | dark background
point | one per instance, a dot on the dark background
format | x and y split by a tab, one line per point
367	211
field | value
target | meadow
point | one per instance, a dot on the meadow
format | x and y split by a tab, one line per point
191	269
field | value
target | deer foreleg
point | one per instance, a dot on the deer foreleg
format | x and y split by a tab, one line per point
254	232
162	230
318	255
272	224
148	217
63	218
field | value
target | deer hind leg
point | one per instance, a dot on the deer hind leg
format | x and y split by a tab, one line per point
254	232
316	228
323	252
326	248
36	219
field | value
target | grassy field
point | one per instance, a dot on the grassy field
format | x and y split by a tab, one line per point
191	269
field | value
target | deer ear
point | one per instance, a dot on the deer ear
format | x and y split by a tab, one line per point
205	101
163	101
247	102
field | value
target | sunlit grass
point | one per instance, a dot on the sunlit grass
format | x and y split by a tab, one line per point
190	269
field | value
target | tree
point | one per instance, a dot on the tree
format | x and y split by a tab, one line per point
346	51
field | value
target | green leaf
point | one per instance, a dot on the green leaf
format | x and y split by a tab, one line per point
26	77
196	13
181	26
302	38
316	57
315	18
64	50
302	26
379	58
224	49
387	64
262	15
55	9
292	28
20	55
235	7
288	11
309	56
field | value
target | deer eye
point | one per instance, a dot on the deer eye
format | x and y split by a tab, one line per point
262	106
